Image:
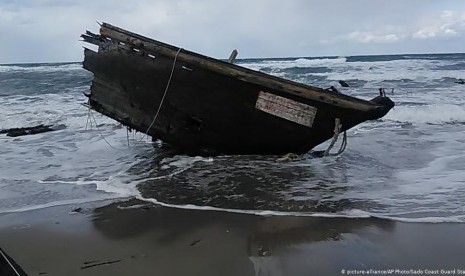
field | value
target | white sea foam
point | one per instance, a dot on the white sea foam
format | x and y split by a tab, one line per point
41	68
428	114
57	203
300	63
47	109
137	206
354	213
349	214
440	178
182	161
117	187
390	74
248	212
421	70
303	62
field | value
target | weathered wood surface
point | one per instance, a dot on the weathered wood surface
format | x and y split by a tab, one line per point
211	106
287	109
232	70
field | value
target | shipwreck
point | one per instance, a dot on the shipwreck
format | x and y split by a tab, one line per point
201	105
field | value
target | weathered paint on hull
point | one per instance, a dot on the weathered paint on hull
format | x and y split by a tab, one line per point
212	107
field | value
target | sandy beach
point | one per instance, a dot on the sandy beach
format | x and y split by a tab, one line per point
136	238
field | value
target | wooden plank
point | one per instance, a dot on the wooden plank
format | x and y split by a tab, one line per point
232	57
91	39
285	108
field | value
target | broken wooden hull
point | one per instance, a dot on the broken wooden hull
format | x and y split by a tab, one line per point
201	105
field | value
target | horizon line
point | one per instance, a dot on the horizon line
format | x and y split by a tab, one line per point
264	58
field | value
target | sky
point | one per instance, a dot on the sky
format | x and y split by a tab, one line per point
49	30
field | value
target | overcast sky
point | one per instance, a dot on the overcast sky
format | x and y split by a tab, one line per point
48	30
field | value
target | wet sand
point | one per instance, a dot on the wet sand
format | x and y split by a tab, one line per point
135	238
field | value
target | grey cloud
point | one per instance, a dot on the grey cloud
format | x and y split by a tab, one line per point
48	30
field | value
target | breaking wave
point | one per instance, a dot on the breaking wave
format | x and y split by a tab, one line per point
40	67
291	63
428	114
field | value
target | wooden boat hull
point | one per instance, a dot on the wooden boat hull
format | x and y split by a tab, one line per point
206	106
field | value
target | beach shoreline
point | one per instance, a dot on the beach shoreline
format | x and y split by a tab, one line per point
132	237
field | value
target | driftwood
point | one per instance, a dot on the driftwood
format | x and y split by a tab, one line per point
94	264
14	132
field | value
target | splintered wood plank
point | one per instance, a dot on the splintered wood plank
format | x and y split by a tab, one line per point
285	108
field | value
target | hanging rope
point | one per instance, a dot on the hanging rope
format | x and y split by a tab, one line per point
337	131
164	94
99	131
91	117
343	145
8	261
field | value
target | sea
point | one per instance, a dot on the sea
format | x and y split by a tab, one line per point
408	166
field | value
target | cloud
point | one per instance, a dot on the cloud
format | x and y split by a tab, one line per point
437	26
448	25
48	30
367	37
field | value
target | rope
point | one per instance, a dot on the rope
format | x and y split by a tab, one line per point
98	129
164	94
89	119
337	130
8	261
90	116
343	145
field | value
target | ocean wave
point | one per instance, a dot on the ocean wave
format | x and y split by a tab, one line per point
423	71
406	70
303	62
334	69
42	67
428	114
293	63
48	109
422	101
377	58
